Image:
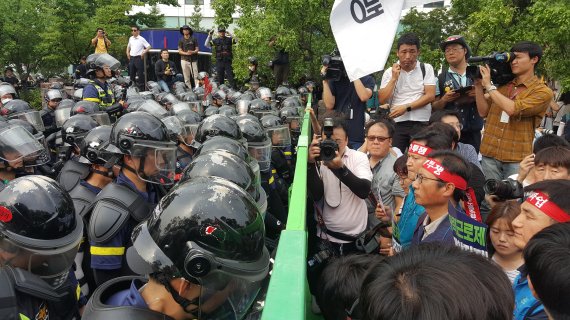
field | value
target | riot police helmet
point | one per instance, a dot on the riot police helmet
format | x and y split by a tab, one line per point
19	148
258	143
39	228
277	130
92	148
217	125
143	136
210	232
20	109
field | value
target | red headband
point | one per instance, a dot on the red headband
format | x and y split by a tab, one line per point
420	150
470	205
541	201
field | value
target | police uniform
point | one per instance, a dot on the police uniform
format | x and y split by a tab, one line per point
116	211
100	93
48	118
223	47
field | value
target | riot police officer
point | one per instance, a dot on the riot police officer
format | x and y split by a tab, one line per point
199	265
184	153
53	97
19	150
100	68
223	46
147	159
39	236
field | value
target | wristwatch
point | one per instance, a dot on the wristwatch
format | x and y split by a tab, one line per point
409	108
490	88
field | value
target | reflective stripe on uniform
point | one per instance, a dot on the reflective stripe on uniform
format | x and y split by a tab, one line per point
107	251
23	317
92	99
287	153
271	180
78	292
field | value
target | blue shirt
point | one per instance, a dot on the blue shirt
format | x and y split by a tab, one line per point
90	187
524	300
91	92
149	196
130	297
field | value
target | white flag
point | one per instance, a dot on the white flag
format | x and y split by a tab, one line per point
364	31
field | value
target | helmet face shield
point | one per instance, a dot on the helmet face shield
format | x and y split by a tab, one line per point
61	115
229	287
157	163
175	128
197	107
153	108
33	117
102	118
19	148
179	106
191	130
103	60
261	151
280	136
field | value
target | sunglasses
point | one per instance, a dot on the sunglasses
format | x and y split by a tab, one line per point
379	138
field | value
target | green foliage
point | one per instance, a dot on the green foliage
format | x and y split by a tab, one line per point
33	97
301	26
47	38
196	17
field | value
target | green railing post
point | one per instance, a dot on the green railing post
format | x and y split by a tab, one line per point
287	296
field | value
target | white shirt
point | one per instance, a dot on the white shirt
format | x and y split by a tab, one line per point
344	211
137	45
409	88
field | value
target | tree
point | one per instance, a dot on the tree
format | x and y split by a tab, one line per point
301	26
196	17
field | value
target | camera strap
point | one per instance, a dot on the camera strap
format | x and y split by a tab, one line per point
321	222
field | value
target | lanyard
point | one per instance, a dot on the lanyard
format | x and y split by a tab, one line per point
513	93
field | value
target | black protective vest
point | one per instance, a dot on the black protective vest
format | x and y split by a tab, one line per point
223	48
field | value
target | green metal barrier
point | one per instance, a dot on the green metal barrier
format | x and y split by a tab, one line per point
288	295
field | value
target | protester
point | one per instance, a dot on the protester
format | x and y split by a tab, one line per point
410	96
547	204
137	48
280	62
101	42
546	257
386	190
436	282
188	49
552	163
512	112
501	236
347	273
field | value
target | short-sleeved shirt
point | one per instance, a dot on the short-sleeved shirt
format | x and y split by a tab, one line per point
344	211
511	140
346	99
131	297
189	44
137	45
409	88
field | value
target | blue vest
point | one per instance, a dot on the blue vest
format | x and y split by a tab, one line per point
524	300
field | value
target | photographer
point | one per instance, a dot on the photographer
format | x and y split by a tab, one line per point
512	112
348	98
451	94
340	183
101	42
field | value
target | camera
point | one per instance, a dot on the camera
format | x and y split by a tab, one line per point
321	256
335	66
328	146
499	62
504	189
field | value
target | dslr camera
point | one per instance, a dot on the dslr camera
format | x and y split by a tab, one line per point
504	189
328	145
335	66
499	62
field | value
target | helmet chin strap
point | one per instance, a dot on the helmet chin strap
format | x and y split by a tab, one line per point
140	173
183	302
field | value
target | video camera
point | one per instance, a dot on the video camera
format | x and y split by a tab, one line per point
499	63
504	189
328	146
335	66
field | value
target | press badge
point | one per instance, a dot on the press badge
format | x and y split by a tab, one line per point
504	117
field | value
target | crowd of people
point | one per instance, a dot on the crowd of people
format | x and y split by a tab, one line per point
166	199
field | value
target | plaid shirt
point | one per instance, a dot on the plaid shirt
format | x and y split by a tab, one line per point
512	141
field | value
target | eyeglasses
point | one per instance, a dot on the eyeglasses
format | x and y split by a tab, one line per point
379	138
454	50
420	178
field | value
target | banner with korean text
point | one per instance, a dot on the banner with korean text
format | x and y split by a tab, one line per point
364	31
